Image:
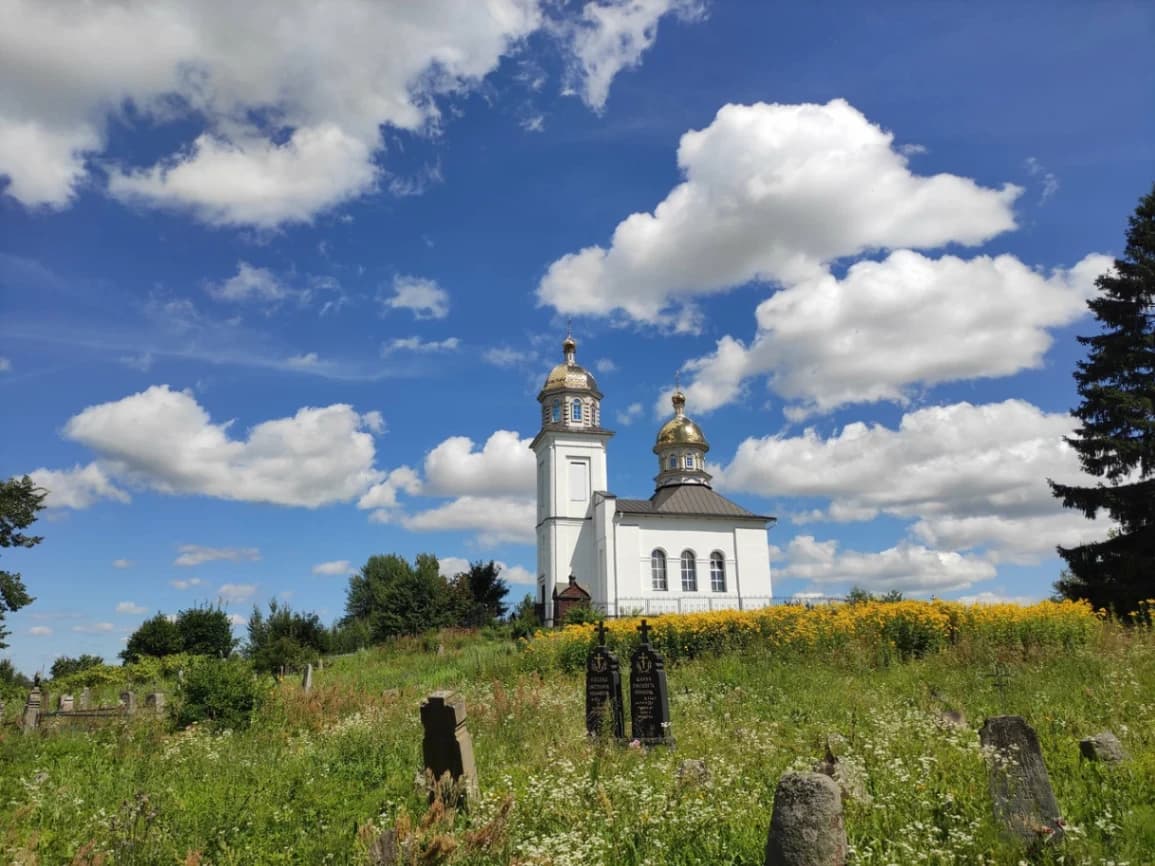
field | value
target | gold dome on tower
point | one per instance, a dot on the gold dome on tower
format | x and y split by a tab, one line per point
680	430
569	375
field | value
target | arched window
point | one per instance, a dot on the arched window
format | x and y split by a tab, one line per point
689	572
556	411
672	463
717	572
658	570
576	414
689	461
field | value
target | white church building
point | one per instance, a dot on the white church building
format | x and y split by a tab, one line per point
684	549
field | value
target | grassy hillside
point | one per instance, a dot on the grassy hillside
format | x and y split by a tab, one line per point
317	777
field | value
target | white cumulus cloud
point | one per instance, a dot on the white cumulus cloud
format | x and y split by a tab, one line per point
78	487
889	325
504	465
495	519
236	592
165	440
421	296
772	193
130	607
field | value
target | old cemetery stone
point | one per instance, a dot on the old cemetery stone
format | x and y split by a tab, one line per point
604	711
307	678
447	747
1104	747
67	704
128	701
649	694
85	698
806	827
1020	787
31	711
155	702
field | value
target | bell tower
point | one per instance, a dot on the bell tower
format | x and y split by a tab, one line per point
571	465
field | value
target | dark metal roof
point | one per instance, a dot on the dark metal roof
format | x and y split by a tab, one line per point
696	500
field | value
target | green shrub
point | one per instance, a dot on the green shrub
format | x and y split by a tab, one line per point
583	613
222	693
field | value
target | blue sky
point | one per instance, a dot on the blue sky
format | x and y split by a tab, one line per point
280	282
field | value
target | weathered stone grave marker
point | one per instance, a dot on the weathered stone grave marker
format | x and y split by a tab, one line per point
447	747
85	698
67	704
31	711
649	694
806	826
1020	787
155	701
604	710
128	701
1104	747
307	678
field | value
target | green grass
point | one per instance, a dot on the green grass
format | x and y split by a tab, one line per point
318	776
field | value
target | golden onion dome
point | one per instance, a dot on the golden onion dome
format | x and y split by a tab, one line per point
569	375
680	430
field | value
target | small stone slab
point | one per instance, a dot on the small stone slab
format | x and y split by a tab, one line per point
1024	802
128	701
604	708
85	698
307	678
67	704
649	694
1103	747
31	717
806	827
155	702
447	747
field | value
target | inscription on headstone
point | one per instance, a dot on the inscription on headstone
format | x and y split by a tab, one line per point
649	694
604	710
1020	787
447	747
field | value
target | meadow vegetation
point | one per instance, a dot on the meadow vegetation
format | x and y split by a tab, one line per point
317	777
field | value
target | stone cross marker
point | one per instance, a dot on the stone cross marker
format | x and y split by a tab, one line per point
1020	787
32	711
806	827
604	711
307	678
447	747
649	694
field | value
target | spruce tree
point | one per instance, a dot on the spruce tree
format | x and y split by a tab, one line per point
1116	437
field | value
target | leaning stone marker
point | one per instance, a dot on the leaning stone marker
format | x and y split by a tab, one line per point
806	827
649	694
1104	747
447	747
1020	787
604	712
307	678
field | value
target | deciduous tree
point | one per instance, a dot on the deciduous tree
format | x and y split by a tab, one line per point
20	500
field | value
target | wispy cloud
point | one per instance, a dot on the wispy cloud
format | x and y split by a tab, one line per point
195	554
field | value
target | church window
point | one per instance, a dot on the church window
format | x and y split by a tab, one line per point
689	572
556	417
672	463
689	461
717	572
576	415
579	480
658	570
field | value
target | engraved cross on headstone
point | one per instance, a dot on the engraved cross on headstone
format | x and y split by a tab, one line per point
645	630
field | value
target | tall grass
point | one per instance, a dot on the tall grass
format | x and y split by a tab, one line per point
319	777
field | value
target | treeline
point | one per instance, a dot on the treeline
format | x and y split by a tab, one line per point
387	598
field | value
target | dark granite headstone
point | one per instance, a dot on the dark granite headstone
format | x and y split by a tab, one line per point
649	694
1020	787
604	711
447	747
